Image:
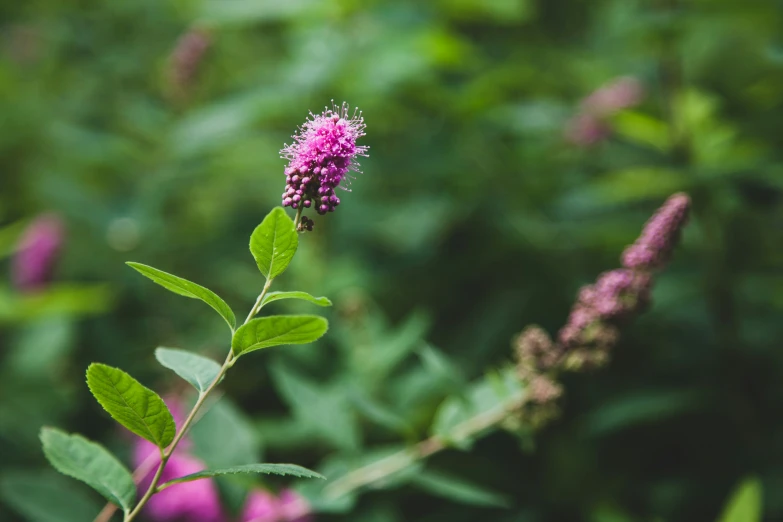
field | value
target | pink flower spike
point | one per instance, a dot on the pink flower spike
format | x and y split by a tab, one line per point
660	235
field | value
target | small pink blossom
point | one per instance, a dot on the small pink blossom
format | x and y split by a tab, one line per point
41	242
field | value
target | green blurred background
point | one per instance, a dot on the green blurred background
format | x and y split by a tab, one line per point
478	212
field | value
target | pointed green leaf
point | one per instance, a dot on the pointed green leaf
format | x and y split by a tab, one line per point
486	396
745	504
276	330
197	370
268	469
188	289
304	296
131	404
225	436
47	496
273	243
77	457
459	490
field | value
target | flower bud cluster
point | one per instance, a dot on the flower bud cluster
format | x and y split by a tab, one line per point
305	225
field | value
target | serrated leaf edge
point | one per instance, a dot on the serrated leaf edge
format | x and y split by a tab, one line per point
166	409
268	469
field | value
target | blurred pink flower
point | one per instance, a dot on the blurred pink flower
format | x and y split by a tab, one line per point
260	506
294	507
585	130
263	506
186	59
23	43
616	95
37	252
196	501
589	125
660	235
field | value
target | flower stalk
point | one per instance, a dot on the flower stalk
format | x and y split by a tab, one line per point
583	343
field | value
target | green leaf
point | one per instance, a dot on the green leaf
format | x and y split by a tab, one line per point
47	497
276	330
268	469
273	243
77	457
634	409
324	410
459	490
225	437
131	404
304	296
745	504
485	396
197	370
9	237
188	289
642	129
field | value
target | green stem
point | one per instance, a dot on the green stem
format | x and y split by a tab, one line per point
298	215
166	455
257	305
385	467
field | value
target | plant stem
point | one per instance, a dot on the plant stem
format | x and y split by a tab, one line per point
385	467
298	215
257	306
147	465
166	455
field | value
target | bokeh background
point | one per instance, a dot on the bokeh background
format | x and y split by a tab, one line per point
495	187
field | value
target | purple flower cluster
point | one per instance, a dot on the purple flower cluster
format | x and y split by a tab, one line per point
323	153
661	233
36	253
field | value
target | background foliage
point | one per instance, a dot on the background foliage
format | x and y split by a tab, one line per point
474	217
